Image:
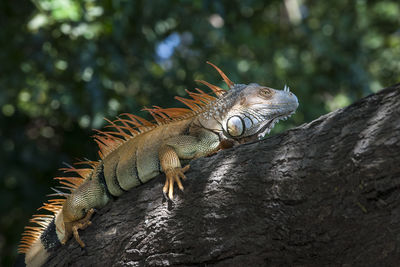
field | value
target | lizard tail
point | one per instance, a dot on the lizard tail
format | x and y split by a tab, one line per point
39	240
40	248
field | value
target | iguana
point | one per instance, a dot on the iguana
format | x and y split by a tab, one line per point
136	150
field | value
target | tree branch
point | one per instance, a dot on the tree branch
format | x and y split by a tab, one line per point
324	193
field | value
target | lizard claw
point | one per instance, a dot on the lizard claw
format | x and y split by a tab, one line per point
172	176
81	225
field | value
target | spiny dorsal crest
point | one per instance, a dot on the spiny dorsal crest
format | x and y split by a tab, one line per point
127	126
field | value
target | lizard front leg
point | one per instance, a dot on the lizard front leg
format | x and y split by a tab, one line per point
173	170
184	147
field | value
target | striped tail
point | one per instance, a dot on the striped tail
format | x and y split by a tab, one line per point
45	236
45	241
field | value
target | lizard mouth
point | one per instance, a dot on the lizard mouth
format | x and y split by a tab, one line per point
265	128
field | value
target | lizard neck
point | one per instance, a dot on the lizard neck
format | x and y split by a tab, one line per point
206	122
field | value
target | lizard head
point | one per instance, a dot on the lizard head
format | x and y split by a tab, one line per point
255	109
247	112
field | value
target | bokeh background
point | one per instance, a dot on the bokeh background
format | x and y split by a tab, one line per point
67	64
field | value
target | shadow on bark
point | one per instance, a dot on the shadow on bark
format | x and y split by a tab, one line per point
324	193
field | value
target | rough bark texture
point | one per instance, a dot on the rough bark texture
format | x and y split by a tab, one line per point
324	193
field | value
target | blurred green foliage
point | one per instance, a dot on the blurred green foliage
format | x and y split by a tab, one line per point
66	64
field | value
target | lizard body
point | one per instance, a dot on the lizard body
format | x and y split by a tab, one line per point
138	150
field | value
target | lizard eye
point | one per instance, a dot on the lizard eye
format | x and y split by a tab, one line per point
235	126
266	92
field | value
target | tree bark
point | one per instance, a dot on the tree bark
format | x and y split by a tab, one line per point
324	193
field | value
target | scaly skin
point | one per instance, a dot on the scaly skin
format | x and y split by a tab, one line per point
244	113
